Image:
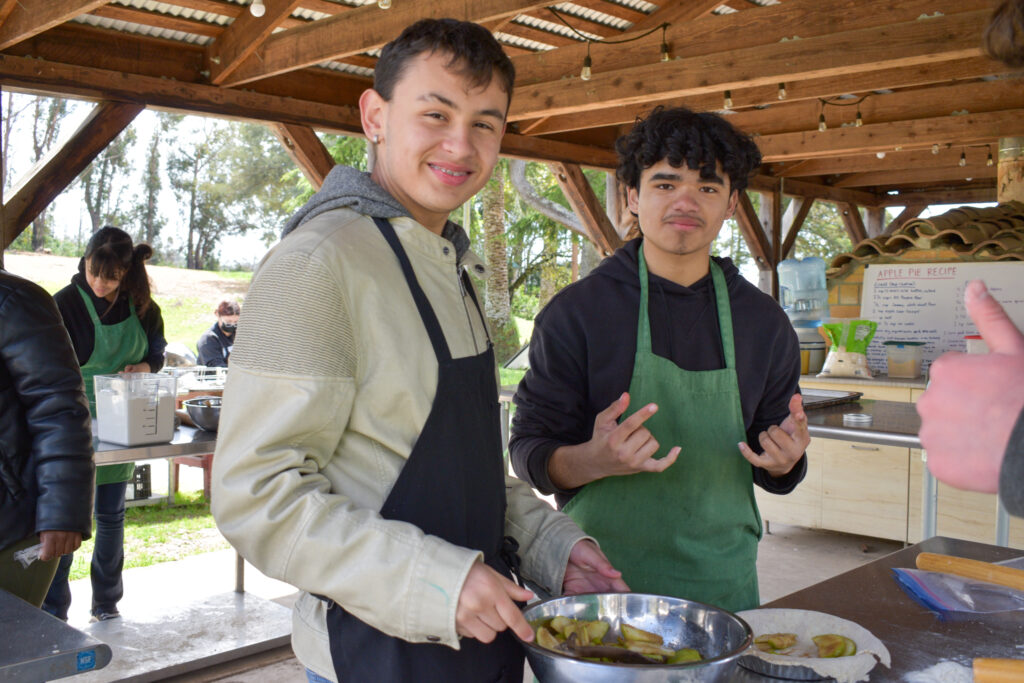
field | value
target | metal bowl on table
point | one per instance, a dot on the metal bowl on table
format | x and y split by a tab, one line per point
204	411
720	637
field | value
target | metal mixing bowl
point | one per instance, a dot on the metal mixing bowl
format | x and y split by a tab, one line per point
720	636
204	411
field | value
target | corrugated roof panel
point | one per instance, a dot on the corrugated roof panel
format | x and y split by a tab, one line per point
641	5
142	30
175	11
509	39
592	15
347	68
552	27
723	9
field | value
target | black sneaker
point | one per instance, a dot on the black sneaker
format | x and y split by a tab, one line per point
104	615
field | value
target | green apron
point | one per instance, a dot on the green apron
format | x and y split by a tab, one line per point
692	530
116	346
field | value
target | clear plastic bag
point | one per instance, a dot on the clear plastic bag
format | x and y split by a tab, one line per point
27	556
953	597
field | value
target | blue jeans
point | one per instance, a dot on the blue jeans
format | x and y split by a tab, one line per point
314	677
107	558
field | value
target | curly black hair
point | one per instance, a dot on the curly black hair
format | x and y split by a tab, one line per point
678	134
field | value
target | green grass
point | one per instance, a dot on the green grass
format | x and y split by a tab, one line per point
243	275
510	378
184	319
161	533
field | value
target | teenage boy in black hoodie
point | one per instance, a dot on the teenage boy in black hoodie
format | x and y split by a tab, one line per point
663	385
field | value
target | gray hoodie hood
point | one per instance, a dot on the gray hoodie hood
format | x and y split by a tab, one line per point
348	188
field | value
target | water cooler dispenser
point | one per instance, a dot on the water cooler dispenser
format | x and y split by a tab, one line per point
803	295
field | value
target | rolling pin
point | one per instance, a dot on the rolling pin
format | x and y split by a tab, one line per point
972	569
998	670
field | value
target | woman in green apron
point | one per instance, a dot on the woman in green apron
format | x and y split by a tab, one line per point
115	326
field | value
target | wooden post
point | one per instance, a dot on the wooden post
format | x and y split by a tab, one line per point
1010	183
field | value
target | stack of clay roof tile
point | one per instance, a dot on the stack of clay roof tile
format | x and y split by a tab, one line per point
985	234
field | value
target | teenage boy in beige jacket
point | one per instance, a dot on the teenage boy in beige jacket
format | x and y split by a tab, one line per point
359	455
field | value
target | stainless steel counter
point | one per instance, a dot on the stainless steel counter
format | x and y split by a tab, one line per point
915	637
893	423
186	441
39	647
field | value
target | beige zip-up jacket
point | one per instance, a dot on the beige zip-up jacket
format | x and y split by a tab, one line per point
332	378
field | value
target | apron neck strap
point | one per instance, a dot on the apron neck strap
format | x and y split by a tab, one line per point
426	311
643	332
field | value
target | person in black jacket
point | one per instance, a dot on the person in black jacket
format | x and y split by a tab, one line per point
215	344
46	470
663	385
115	326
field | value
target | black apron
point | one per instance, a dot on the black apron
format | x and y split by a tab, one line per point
453	487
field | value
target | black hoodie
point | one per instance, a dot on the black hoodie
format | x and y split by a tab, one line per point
584	342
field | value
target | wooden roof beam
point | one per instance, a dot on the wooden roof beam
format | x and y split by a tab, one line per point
358	30
241	39
745	99
796	214
54	172
676	12
897	136
587	206
306	150
898	45
911	175
910	212
803	188
30	17
753	232
853	222
966	195
714	33
947	156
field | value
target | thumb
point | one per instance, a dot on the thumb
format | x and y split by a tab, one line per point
995	327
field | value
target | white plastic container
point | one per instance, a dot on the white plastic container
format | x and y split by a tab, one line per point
975	344
904	358
135	408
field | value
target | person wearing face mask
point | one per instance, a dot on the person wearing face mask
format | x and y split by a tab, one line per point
115	326
215	344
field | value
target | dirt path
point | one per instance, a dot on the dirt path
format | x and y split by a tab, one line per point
172	282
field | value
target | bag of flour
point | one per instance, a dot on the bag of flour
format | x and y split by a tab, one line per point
847	357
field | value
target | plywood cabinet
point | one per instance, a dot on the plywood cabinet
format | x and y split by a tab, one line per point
865	490
877	490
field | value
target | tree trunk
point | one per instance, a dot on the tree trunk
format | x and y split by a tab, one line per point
549	272
496	300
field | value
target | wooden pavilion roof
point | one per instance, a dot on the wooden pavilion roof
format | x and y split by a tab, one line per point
926	92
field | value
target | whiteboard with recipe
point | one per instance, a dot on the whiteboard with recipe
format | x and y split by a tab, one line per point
925	302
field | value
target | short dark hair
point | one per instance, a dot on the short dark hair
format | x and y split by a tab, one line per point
680	135
228	308
473	52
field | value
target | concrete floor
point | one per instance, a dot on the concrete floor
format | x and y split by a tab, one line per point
198	590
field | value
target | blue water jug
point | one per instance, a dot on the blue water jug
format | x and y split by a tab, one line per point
803	293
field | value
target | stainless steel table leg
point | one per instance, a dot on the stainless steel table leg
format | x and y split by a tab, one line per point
1002	524
929	499
239	573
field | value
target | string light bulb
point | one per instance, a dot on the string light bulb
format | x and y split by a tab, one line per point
727	102
822	126
989	161
257	8
782	91
664	44
860	119
585	73
963	158
384	4
935	148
